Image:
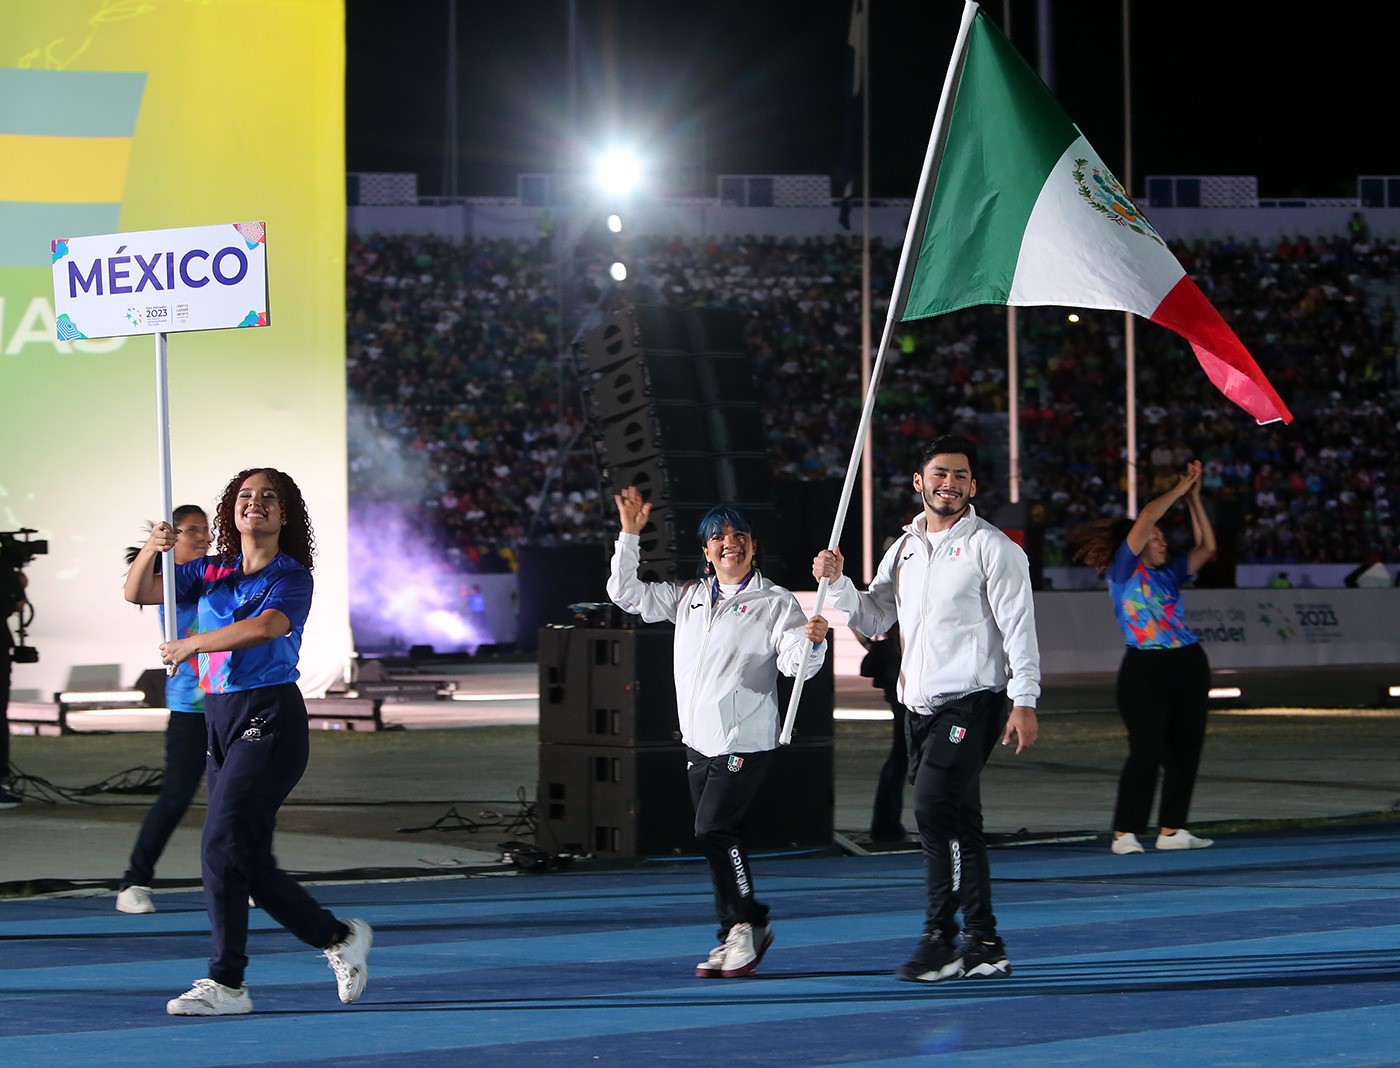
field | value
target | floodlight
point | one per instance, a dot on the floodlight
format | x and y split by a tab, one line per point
615	223
618	271
618	172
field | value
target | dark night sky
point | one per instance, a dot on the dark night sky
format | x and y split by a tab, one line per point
755	86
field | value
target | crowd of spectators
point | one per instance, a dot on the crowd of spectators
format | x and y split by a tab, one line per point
466	415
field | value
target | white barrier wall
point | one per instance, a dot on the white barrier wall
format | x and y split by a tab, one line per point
1238	628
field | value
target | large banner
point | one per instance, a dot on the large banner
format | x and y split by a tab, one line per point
1239	629
117	117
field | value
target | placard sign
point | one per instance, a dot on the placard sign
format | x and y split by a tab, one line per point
160	281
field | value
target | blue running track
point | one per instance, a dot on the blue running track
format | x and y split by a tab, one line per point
1278	950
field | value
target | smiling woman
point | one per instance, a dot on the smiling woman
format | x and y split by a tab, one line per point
253	597
735	631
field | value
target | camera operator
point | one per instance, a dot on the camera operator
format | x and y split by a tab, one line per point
12	600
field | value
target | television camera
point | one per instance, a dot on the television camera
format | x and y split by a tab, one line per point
17	549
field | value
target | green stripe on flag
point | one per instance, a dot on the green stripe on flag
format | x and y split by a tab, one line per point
70	103
1005	133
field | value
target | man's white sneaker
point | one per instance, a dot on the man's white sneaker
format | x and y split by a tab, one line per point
350	960
744	948
1182	839
1127	843
713	967
135	899
208	998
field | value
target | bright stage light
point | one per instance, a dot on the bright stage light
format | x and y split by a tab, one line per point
615	223
618	271
619	172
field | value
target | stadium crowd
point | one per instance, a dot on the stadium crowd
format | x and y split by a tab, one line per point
466	411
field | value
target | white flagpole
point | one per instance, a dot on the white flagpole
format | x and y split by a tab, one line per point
916	218
867	487
1129	323
167	567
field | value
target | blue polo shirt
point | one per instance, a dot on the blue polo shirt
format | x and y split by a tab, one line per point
182	692
226	595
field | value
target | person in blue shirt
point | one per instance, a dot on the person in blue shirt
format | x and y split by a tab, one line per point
253	595
1164	677
185	736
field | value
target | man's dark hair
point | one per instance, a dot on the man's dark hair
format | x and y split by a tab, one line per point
946	443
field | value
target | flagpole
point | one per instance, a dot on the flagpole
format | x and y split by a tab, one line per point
917	217
1129	327
867	484
167	506
1013	370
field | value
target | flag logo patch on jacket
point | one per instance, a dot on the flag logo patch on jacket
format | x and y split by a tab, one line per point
735	762
956	734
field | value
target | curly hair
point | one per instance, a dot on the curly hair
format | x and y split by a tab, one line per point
1099	540
296	538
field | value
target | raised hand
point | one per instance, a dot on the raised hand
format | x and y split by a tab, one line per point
632	511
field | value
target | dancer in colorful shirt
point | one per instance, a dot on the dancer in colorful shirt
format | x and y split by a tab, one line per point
1164	676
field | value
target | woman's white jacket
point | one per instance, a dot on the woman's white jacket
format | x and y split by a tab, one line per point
728	651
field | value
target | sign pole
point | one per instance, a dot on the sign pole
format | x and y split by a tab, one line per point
167	506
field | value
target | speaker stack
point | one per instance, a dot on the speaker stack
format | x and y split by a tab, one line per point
612	767
673	406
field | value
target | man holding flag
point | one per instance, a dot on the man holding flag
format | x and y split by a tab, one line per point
960	590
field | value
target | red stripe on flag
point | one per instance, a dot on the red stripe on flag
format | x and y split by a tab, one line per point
1226	361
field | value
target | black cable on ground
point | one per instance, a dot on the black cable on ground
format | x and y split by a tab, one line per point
138	780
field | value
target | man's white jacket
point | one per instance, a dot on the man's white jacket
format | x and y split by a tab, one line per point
965	611
728	652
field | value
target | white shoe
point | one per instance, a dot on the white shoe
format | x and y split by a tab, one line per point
713	967
135	899
350	960
744	948
1182	839
1127	843
208	998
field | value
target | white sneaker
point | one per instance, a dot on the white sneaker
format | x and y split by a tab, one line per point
135	899
713	967
1182	839
208	998
744	948
1127	843
350	960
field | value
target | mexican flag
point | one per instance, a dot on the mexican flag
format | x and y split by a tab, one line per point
1016	207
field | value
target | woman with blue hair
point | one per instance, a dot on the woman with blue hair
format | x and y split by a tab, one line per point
735	631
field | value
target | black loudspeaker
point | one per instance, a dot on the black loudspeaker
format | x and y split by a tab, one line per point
672	404
615	802
604	686
612	774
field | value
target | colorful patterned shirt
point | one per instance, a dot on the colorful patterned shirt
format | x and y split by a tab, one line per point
1147	601
225	595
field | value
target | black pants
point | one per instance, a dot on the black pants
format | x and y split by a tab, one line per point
186	743
1162	699
947	751
885	820
258	749
722	788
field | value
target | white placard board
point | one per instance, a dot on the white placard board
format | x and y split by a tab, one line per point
160	281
